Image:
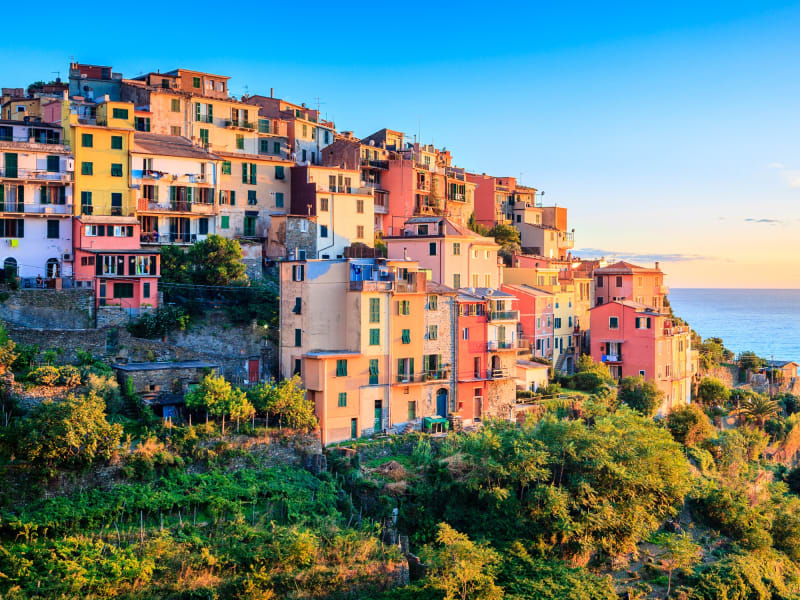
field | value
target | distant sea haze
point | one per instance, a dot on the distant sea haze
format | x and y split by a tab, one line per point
764	321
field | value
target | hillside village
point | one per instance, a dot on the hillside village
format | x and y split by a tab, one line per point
246	354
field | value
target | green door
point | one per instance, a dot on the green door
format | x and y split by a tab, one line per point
11	165
378	416
353	428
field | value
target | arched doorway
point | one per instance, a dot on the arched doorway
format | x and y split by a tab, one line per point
10	267
52	268
441	402
496	365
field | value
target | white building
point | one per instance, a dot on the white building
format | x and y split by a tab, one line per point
36	173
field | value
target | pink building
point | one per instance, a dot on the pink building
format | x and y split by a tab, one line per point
625	281
634	339
109	256
455	255
535	317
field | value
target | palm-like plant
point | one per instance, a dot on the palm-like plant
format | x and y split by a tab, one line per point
759	409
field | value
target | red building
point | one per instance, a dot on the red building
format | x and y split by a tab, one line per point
471	349
108	254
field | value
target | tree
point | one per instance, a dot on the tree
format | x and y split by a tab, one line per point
711	392
591	376
217	261
678	551
69	433
509	239
642	396
8	352
286	401
689	425
176	265
759	408
218	398
473	224
749	361
462	568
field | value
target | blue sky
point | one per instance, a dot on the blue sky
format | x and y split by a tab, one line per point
669	131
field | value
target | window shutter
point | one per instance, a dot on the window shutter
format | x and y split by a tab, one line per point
43	195
400	366
172	193
196	111
233	197
62	195
252	174
411	367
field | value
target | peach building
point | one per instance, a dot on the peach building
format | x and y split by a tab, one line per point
634	339
626	281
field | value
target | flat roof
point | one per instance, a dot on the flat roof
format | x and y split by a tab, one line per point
327	353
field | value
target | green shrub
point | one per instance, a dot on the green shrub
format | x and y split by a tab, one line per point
69	376
160	322
746	576
689	425
46	375
729	511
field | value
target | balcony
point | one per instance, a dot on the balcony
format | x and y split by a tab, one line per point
423	186
34	175
36	209
440	374
340	189
371	286
457	197
198	208
204	118
504	315
670	331
611	358
494	345
153	237
240	124
377	164
381	207
501	373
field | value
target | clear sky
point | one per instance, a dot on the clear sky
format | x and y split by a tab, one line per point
671	131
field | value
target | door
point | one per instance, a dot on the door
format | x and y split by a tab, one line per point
353	428
441	402
378	416
252	370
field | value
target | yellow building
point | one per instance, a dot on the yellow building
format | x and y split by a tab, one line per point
100	136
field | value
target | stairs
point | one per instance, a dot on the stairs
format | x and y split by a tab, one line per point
560	362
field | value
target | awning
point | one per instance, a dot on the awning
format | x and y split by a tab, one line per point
431	422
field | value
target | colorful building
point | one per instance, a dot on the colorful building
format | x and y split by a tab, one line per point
35	200
626	281
536	318
110	259
634	339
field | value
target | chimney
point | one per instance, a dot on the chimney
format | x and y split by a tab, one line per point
405	253
658	264
271	91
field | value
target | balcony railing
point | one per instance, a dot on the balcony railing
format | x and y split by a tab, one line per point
378	164
381	206
202	208
371	286
504	315
153	237
611	358
501	373
34	175
238	124
29	139
340	189
669	331
205	119
457	197
36	209
424	186
494	345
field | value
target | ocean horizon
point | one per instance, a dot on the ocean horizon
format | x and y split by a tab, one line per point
761	320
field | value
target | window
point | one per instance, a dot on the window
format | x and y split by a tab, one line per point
373	371
374	337
456	249
146	290
557	323
433	302
251	197
279	199
404	307
253	175
175	105
599	282
613	322
12	228
341	367
433	332
298	337
487	280
342	399
123	290
359	232
323	204
116	170
87	168
204	137
374	310
412	410
432	248
475	280
239	141
641	372
174	130
298	272
87	140
323	231
456	280
406	336
142	123
52	229
465	333
86	203
360	206
116	142
226	167
276	147
120	113
225	222
405	369
196	82
643	323
619	281
116	203
202	226
279	173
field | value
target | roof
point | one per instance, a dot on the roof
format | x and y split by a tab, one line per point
487	293
162	366
176	72
330	353
29	123
438	288
169	145
624	267
261	157
529	364
637	306
524	288
117	251
782	363
107	220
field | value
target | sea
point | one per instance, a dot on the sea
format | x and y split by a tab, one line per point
766	322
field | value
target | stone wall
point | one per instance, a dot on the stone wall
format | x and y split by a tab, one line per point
170	381
49	309
501	395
